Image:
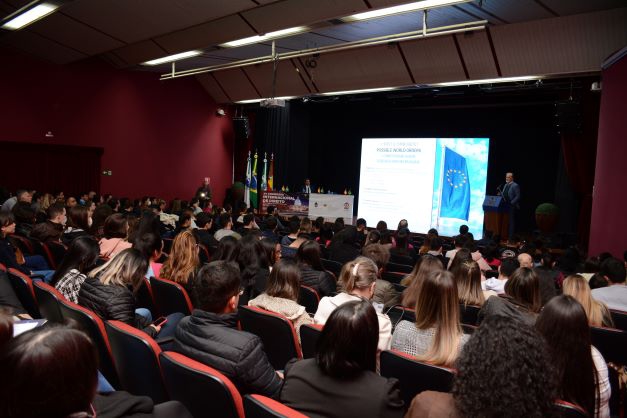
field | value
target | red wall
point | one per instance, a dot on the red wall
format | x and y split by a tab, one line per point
159	138
608	228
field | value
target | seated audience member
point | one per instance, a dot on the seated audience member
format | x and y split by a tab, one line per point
33	265
615	295
51	230
460	241
382	226
270	228
78	222
63	363
487	239
210	334
151	246
228	249
185	222
521	300
281	295
581	369
402	248
476	255
597	312
291	250
338	225
591	266
100	215
20	196
343	245
341	381
491	255
273	251
501	354
373	237
293	227
384	293
115	237
462	256
507	267
183	261
435	249
468	279
254	266
414	280
525	260
24	218
362	231
326	235
204	221
10	304
548	277
358	280
79	260
436	336
312	272
226	223
106	292
249	224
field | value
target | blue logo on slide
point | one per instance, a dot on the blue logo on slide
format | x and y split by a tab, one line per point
455	187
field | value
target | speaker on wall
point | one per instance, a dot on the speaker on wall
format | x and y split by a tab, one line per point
240	126
568	116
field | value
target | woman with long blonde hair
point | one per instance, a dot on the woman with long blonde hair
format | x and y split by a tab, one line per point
413	281
437	335
467	276
597	312
183	261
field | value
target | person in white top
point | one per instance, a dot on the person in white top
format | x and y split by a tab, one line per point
507	267
615	295
358	279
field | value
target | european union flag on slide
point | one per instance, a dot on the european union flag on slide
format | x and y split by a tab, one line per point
455	202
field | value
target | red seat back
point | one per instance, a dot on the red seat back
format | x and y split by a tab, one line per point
170	297
49	301
258	406
309	298
23	286
309	334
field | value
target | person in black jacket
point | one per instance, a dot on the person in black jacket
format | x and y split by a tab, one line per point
312	272
106	292
342	380
210	334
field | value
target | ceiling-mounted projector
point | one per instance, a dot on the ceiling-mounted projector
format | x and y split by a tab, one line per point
273	103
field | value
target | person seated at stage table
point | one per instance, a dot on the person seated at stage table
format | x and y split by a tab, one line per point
385	293
358	279
210	334
313	273
342	380
343	246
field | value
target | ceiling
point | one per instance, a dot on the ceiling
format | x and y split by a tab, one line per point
522	37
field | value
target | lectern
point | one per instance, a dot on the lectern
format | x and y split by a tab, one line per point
496	215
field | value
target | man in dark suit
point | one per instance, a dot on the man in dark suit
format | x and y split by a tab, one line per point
511	194
307	187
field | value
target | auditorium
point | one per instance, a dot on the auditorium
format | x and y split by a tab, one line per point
299	208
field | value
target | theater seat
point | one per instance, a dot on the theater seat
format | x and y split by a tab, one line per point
22	243
258	406
277	333
468	313
203	254
136	357
57	251
415	376
620	319
170	297
23	286
399	268
393	277
146	299
203	390
612	344
565	409
309	298
309	334
332	266
397	313
49	301
94	327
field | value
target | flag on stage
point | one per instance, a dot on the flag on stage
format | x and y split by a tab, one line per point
455	201
264	183
247	188
271	174
253	184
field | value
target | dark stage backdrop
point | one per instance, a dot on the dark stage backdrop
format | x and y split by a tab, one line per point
323	141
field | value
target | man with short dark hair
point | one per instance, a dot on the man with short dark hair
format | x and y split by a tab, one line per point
210	334
249	224
204	222
615	295
270	226
362	231
507	267
226	222
435	249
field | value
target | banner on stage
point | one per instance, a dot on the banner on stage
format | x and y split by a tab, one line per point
331	206
287	203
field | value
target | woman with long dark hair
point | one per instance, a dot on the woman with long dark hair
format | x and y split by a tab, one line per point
312	271
79	260
342	380
78	223
581	369
254	267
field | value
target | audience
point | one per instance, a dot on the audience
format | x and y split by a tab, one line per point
228	249
341	381
467	276
254	267
436	336
358	280
384	293
281	294
312	272
210	334
503	371
78	222
80	259
115	235
183	261
414	280
615	295
597	312
507	267
151	246
226	223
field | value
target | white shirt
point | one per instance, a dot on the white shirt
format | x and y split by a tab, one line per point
605	391
615	296
496	285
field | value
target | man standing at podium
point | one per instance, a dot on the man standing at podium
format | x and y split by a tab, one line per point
511	194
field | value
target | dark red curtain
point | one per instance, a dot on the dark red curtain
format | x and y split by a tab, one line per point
48	168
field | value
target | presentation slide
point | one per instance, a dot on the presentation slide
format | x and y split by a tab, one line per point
432	182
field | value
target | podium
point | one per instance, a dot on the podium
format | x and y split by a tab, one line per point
496	215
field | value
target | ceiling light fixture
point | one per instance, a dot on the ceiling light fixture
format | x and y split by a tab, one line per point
172	58
403	8
340	93
261	100
267	37
28	14
487	81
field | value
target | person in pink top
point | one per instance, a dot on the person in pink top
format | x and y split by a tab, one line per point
115	236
